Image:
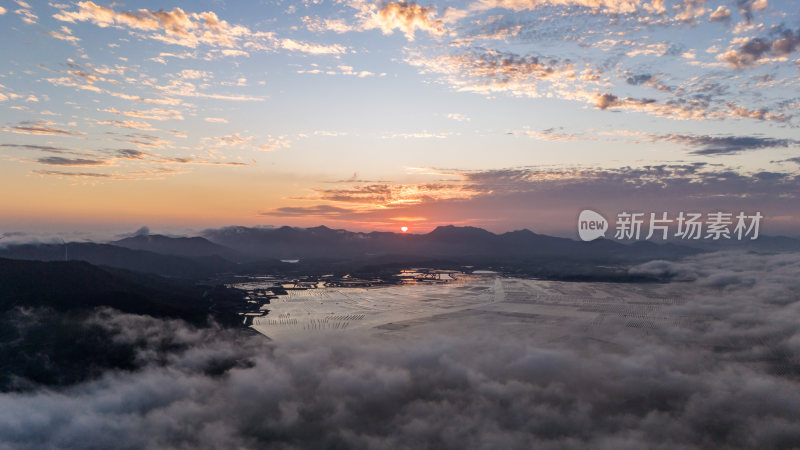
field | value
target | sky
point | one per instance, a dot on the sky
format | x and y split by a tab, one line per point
503	114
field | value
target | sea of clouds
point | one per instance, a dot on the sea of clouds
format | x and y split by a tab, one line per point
728	376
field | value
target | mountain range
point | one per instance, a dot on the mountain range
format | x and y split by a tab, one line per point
239	249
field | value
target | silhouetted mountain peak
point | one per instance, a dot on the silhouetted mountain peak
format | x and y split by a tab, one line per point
522	232
322	230
178	246
453	232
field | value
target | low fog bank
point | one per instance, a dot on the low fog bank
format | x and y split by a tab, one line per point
727	376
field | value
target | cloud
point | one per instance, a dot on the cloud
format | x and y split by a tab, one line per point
233	139
746	7
59	161
138	98
486	58
59	173
739	111
131	154
146	140
720	14
44	148
39	127
550	134
489	71
636	80
152	114
132	124
216	120
511	196
64	35
303	211
794	160
173	27
613	6
458	117
143	231
714	367
382	196
190	74
727	145
782	42
318	24
312	49
26	13
341	69
406	17
275	143
670	270
198	161
183	88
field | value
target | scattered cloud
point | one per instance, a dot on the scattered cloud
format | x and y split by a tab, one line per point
59	173
173	27
64	35
275	143
152	114
132	124
43	148
131	154
612	6
458	117
782	42
407	17
26	13
341	69
183	88
318	25
301	211
39	127
720	14
311	48
459	196
189	74
727	145
59	161
228	140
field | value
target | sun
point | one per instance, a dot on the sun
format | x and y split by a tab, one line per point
403	229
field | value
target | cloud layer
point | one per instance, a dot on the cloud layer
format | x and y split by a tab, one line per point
724	375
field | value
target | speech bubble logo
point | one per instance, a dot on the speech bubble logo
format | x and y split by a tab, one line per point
591	225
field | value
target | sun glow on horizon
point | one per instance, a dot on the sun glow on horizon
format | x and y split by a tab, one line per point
404	229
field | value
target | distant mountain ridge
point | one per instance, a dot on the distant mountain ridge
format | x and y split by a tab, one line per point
245	250
122	258
444	241
178	246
